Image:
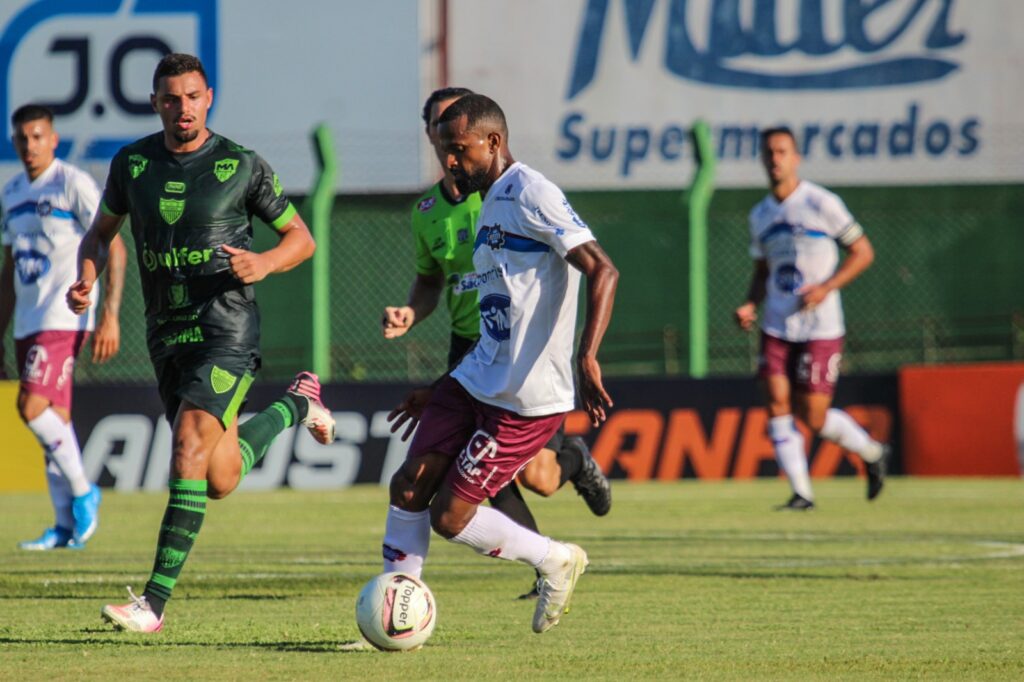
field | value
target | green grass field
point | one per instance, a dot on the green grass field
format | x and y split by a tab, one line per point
687	580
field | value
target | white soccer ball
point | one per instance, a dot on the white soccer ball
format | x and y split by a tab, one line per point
396	612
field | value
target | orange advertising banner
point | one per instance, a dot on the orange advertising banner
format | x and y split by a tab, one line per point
963	420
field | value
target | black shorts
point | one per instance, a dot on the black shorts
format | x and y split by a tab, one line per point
214	380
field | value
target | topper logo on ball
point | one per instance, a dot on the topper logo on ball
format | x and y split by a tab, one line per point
864	36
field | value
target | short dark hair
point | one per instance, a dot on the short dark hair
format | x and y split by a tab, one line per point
477	109
176	64
779	130
441	95
31	112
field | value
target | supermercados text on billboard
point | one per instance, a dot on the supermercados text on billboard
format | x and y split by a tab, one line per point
837	52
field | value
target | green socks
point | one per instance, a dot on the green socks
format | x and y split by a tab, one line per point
182	521
256	435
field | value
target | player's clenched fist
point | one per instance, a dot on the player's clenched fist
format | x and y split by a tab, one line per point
746	316
397	321
247	266
78	296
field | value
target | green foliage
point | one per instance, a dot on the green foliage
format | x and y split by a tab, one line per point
688	580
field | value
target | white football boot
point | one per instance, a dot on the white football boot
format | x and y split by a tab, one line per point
306	387
136	616
556	589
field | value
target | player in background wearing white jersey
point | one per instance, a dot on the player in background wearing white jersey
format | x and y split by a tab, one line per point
794	235
46	212
490	415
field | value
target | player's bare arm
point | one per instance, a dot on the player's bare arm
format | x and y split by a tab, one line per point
295	245
423	298
602	280
6	300
92	259
107	340
859	257
746	314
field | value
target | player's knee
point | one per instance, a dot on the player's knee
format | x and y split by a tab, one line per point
545	486
446	522
215	491
815	422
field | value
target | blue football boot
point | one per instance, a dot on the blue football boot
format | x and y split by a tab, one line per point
86	510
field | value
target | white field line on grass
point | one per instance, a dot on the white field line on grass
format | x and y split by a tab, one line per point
1001	550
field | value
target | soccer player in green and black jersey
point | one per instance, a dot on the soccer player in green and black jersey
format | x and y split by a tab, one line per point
191	194
444	229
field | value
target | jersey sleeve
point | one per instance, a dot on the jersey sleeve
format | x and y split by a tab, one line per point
547	216
115	198
266	199
425	262
85	199
839	221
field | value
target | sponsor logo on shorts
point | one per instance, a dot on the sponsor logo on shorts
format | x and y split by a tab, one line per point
469	464
225	168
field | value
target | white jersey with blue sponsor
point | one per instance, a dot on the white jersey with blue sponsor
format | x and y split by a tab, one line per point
528	293
43	221
798	238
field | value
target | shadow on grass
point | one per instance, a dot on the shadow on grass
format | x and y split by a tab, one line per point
100	636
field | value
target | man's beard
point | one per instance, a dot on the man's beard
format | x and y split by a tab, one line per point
186	135
469	183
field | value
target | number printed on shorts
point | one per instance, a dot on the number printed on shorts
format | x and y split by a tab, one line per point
809	372
481	445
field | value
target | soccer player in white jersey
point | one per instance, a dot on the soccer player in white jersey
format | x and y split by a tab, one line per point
490	415
46	212
794	236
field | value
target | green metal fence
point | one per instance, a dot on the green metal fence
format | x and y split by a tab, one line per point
947	286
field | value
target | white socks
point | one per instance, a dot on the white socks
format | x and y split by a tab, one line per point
842	429
790	454
406	540
61	445
492	533
60	495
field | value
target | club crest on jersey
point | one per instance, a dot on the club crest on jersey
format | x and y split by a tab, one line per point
44	208
225	168
137	164
171	209
426	204
494	238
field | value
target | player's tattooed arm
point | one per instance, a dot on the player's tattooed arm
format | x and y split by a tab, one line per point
92	259
602	281
107	340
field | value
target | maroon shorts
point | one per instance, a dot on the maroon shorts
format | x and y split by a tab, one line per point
488	445
812	366
47	363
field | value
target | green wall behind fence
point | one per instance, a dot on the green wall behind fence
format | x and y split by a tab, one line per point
947	285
